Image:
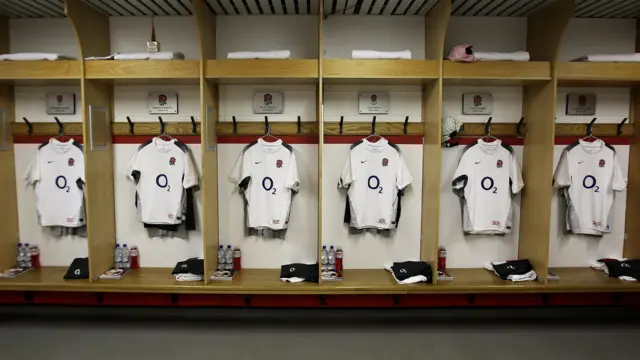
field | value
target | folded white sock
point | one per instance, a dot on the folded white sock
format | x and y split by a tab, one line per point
610	58
411	280
498	56
189	277
386	55
276	54
34	56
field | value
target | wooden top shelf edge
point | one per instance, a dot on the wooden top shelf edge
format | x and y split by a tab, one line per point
40	70
262	69
380	69
511	71
609	73
142	69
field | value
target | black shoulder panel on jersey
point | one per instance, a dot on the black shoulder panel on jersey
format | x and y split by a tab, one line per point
571	146
355	144
182	146
78	145
287	146
474	143
144	144
43	145
508	147
394	146
136	176
244	184
249	146
610	147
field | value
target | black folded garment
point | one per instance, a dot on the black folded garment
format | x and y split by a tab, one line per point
303	271
190	266
408	269
628	268
79	269
512	267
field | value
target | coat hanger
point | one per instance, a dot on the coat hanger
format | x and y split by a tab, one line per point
163	131
590	137
373	132
61	136
267	129
487	132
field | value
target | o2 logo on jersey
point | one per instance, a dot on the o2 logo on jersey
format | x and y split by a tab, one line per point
163	182
385	162
172	161
71	162
499	164
278	163
589	182
374	183
61	183
601	163
487	184
267	185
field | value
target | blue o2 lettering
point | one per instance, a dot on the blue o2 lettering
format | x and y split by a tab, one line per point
589	182
376	184
163	182
267	184
487	184
61	183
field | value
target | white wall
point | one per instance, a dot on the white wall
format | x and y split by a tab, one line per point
43	35
498	34
237	100
597	36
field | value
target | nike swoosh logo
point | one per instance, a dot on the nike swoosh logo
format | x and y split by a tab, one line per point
49	162
478	162
580	162
362	162
258	162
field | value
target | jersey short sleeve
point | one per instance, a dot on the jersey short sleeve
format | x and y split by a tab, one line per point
32	175
461	175
619	181
292	181
133	169
241	169
403	177
515	175
561	178
190	178
346	177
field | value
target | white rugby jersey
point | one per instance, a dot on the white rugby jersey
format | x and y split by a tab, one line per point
267	175
162	170
57	172
591	173
375	174
487	177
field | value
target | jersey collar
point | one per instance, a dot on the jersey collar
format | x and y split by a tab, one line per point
591	147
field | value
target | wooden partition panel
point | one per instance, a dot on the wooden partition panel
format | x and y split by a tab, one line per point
206	25
92	34
435	33
9	231
544	32
320	120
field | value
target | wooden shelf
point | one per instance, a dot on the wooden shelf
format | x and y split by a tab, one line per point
144	71
44	279
261	281
482	280
496	72
40	72
155	280
373	281
379	71
263	70
588	280
597	74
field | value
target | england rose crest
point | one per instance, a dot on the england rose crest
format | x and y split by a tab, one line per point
172	161
385	162
601	163
162	99
499	164
279	163
477	100
71	162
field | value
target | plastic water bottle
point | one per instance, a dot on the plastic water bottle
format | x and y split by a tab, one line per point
117	257
332	259
228	258
27	255
126	259
221	255
20	256
325	260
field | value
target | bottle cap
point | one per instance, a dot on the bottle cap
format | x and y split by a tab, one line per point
19	244
117	245
324	246
228	246
331	247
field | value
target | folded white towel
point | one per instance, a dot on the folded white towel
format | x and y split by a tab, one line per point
108	57
611	58
599	265
530	276
34	56
498	56
292	279
276	54
162	55
381	55
411	280
189	277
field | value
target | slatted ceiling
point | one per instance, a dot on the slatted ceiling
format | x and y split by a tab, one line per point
607	9
426	6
